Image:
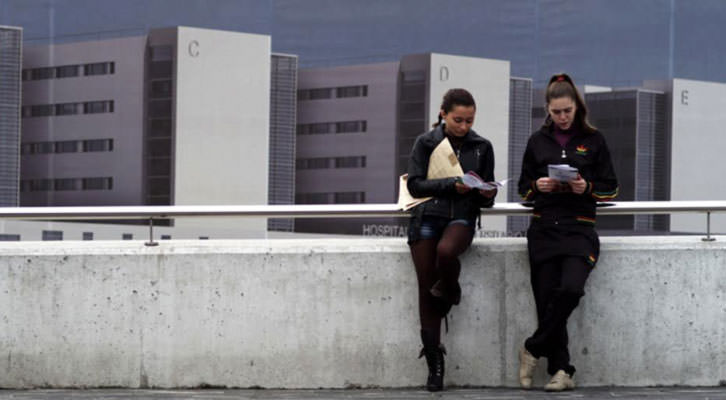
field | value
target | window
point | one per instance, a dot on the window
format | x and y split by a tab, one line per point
158	186
102	68
97	183
351	91
9	237
314	94
27	148
313	198
160	89
160	128
52	235
41	185
42	73
350	197
159	108
98	145
313	163
332	127
42	110
350	162
165	237
87	235
350	126
65	184
162	53
159	167
70	146
159	148
45	147
127	236
66	109
96	107
160	69
66	71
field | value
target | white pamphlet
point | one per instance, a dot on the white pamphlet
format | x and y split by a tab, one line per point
562	172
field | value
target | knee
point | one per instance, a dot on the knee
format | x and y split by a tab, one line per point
445	252
573	292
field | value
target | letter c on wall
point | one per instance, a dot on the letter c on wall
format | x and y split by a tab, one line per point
194	48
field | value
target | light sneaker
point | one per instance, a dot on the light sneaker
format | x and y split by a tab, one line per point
559	382
527	363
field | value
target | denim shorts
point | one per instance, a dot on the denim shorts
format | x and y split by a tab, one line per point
433	227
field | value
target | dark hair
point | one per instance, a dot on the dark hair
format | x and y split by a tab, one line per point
455	97
561	85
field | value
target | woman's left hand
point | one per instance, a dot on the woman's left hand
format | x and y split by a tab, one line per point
578	185
488	193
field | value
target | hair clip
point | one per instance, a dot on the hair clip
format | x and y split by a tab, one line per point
560	78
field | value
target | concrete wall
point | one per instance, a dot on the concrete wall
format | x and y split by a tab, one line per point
303	313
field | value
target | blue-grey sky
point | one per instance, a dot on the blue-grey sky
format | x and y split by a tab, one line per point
607	42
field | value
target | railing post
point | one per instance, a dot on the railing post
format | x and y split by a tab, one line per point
708	237
151	241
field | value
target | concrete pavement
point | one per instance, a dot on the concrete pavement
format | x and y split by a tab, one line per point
597	393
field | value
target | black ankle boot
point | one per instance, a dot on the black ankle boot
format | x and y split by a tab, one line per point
434	353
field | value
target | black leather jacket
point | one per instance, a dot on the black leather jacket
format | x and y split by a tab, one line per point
475	154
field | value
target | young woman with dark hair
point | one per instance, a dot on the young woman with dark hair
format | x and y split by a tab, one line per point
442	228
562	242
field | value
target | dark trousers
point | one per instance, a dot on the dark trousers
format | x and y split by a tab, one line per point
557	284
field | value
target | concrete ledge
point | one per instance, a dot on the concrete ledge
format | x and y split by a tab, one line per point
308	314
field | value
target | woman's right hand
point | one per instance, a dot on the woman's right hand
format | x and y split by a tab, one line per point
547	185
461	188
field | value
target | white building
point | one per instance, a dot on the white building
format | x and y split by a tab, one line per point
697	124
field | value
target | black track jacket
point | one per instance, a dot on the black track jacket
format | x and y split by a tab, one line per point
587	152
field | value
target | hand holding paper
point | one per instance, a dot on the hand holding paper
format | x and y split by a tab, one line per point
473	180
562	172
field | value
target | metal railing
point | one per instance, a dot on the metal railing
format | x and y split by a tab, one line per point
151	213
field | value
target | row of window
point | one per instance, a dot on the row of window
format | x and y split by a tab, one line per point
49	110
330	198
69	71
331	162
58	235
329	93
67	146
332	127
63	184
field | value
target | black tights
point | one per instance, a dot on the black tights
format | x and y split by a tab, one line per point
438	259
557	284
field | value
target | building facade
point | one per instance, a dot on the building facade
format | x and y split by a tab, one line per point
176	117
283	112
634	123
357	124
